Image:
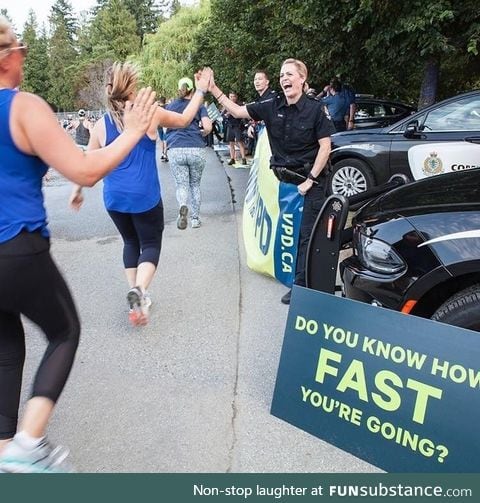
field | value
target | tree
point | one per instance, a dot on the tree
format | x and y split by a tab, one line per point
62	13
35	75
62	55
168	8
384	47
435	33
234	41
146	14
166	55
241	36
113	32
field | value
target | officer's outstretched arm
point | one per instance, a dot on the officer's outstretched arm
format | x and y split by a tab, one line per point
238	111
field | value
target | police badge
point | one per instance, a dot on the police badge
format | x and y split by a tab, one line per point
432	165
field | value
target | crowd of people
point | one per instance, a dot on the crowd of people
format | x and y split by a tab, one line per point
122	148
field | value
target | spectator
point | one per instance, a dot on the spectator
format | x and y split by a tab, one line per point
82	127
234	133
336	105
349	96
261	82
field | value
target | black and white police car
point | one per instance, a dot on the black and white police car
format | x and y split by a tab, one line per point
416	249
435	140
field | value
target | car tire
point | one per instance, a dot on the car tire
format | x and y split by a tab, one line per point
350	177
461	309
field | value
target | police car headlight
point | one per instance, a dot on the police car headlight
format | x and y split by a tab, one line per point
378	256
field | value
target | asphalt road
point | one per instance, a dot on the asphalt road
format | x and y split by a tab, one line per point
191	392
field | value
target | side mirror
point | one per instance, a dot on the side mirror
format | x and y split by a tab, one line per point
411	130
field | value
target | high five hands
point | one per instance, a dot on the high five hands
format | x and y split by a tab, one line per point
202	79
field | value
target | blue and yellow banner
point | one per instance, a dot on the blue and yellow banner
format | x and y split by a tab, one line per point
271	219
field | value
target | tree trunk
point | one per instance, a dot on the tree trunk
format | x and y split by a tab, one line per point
428	92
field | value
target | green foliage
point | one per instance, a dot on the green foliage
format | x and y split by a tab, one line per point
409	36
166	55
146	14
383	47
62	62
113	32
35	74
62	14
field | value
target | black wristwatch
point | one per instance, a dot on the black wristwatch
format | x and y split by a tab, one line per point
311	177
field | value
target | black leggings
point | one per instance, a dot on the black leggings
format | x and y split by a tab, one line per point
141	234
30	284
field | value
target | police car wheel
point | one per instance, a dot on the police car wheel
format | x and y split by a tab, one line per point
462	309
350	177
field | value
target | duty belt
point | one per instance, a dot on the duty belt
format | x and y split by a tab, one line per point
285	174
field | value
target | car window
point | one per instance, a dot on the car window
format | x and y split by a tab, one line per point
395	110
370	110
460	115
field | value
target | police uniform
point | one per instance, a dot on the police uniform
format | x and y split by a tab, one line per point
267	94
259	126
293	132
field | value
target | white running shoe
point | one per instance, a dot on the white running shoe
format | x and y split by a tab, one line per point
148	300
43	458
196	223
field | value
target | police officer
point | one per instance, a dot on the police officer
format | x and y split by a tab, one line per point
299	134
261	82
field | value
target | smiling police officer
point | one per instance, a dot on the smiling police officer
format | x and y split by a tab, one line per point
299	134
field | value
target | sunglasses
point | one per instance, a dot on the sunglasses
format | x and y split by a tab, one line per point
22	47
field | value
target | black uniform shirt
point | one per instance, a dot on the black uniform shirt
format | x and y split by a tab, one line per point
268	94
293	130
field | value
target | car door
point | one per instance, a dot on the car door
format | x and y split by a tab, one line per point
454	121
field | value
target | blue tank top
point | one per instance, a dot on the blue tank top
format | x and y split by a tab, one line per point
133	186
21	197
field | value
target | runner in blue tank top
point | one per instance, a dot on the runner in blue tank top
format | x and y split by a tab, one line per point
131	192
30	283
187	156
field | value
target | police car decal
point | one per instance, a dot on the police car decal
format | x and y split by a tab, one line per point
456	235
431	159
370	147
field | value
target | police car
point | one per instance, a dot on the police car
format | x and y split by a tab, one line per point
438	139
416	249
